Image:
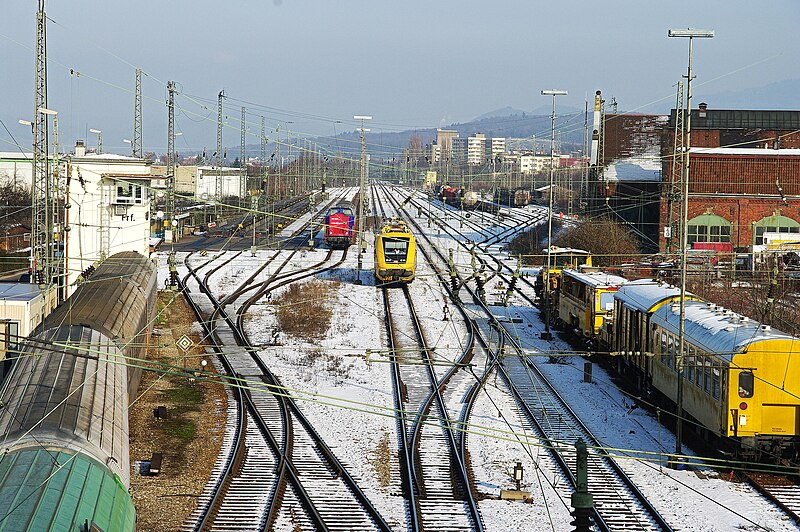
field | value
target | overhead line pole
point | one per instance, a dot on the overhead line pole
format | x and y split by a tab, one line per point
137	116
362	195
690	34
547	335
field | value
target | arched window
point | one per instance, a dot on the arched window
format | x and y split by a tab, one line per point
774	224
709	228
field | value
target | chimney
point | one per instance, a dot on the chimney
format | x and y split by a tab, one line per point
80	148
702	112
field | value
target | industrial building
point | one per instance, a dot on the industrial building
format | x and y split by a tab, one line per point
744	176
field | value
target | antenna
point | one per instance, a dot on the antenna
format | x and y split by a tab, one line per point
137	116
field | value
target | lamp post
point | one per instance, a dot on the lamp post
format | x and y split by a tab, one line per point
690	34
547	335
99	139
129	142
362	194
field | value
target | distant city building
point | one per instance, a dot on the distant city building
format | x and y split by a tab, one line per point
495	147
444	146
470	150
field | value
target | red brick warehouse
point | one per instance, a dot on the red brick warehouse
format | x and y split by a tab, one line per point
744	176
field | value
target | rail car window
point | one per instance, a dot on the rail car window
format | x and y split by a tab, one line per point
698	374
670	352
715	382
606	300
395	250
690	362
340	210
664	354
746	384
707	376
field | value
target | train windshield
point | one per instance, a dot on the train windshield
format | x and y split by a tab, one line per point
340	210
395	250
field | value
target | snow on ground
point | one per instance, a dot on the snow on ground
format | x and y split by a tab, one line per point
346	394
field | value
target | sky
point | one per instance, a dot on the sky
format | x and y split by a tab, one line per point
309	66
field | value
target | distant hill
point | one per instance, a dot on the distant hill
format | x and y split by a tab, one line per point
781	95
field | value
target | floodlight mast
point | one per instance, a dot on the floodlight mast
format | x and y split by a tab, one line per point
547	335
691	34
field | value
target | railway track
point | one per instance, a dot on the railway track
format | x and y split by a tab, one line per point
619	505
437	484
783	491
287	477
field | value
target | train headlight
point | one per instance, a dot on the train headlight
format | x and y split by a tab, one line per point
742	406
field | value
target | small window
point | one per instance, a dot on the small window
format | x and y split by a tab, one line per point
707	377
746	384
670	352
690	365
664	355
715	382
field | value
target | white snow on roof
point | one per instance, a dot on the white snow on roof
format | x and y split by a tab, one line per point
646	167
746	151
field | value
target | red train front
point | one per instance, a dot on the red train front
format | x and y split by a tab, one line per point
339	225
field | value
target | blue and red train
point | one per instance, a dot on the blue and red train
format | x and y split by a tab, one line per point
340	225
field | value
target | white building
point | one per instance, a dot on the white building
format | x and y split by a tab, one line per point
108	198
469	150
206	182
495	147
531	164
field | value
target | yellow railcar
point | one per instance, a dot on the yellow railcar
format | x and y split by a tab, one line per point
586	300
560	258
741	379
395	253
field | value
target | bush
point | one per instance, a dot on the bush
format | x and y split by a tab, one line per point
305	310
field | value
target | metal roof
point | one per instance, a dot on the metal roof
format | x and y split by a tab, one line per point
19	292
715	329
596	279
742	119
645	294
49	489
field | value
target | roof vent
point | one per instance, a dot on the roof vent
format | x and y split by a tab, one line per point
745	319
729	328
766	328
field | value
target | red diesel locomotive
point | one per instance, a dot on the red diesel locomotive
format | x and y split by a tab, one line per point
340	225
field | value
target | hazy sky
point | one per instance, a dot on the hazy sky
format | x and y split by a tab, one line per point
409	64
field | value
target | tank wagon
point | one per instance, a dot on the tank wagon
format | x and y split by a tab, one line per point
65	417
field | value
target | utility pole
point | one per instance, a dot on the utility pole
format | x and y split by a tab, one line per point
137	116
362	195
242	162
547	335
218	156
43	200
169	212
690	34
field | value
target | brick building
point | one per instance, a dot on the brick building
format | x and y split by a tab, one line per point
625	184
744	177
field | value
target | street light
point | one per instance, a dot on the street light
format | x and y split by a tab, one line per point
547	335
99	139
690	34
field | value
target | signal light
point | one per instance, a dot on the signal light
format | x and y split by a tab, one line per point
742	406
